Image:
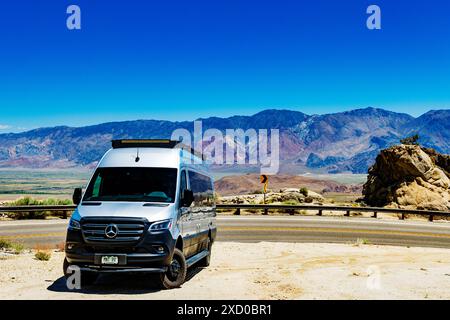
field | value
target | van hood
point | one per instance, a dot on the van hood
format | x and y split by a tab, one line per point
152	212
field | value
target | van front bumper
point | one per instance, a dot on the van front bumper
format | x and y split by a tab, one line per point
145	255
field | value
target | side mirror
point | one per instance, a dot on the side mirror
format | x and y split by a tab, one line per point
76	197
187	198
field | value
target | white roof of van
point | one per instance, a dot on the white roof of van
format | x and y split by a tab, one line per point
148	157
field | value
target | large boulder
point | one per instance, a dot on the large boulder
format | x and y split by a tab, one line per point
408	176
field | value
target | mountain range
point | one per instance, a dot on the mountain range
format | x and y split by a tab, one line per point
338	142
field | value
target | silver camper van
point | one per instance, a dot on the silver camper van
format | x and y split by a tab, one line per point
149	207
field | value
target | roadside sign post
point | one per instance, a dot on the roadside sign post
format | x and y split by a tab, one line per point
265	180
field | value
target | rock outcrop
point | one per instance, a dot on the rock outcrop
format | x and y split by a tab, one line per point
285	195
410	177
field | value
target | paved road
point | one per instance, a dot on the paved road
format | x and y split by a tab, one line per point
271	228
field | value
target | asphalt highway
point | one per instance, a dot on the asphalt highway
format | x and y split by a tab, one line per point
271	228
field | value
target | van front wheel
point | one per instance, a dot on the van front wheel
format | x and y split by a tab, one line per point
175	275
86	278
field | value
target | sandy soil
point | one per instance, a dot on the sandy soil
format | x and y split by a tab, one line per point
257	271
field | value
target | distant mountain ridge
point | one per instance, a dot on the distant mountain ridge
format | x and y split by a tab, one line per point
339	142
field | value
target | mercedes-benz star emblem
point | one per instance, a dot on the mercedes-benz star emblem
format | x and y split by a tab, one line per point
111	231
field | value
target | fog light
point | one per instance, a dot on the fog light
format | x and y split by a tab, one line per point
70	246
160	249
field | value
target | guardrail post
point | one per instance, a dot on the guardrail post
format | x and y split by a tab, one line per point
265	212
402	217
375	215
237	212
320	212
347	213
430	218
64	214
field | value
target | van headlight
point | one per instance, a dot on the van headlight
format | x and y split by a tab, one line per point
74	224
161	225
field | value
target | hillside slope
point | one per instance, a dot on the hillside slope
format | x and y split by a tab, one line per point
339	142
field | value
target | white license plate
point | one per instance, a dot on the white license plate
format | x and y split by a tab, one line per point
110	260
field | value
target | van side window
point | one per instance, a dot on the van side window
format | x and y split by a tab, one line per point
201	186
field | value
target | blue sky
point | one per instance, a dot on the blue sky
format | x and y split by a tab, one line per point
180	60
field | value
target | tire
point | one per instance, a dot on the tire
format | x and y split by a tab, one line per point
175	275
66	265
206	260
87	278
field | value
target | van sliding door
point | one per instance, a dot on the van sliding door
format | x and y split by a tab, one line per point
201	186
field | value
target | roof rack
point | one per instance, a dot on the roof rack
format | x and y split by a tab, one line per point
153	143
144	143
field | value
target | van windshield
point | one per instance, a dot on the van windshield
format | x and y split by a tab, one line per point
132	184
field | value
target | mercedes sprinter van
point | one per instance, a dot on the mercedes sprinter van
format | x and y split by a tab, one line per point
148	207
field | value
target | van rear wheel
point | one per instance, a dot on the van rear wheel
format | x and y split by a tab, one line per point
175	275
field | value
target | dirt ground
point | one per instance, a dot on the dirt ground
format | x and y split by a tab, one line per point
256	271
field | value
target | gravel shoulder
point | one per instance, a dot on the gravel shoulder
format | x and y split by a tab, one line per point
264	270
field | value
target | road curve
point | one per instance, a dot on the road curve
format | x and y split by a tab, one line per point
271	228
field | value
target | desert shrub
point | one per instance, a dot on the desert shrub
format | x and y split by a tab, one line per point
361	241
27	215
5	244
28	201
43	255
17	248
290	202
13	247
412	140
304	191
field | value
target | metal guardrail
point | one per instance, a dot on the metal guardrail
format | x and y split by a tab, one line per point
36	208
321	208
265	207
64	209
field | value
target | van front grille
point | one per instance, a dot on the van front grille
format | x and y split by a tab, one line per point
113	230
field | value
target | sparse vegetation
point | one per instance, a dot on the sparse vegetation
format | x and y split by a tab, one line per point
361	241
43	255
29	201
17	248
291	202
304	191
5	244
52	183
411	140
13	247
